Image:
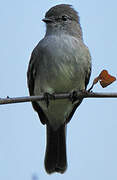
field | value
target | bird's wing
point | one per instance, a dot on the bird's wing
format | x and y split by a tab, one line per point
87	78
31	73
79	102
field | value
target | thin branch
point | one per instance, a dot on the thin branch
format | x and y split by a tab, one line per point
80	94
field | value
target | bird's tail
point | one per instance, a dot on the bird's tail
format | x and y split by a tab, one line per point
55	157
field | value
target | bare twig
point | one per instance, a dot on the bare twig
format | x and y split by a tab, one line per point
84	94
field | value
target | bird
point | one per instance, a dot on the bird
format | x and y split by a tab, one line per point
60	63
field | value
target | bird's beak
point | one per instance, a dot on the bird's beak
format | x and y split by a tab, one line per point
47	20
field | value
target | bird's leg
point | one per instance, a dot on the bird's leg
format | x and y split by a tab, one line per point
47	97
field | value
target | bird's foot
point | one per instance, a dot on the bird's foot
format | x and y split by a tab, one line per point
47	97
73	96
77	95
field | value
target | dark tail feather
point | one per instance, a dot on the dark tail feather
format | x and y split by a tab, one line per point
55	157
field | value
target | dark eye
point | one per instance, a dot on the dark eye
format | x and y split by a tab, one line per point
64	18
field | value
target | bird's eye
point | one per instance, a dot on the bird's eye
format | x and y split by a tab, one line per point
64	18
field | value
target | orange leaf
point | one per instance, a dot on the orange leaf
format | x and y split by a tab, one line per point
105	78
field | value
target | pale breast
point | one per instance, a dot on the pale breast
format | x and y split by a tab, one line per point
63	65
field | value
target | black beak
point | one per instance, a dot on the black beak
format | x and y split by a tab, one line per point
47	20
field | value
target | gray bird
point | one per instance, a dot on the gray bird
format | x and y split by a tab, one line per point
60	63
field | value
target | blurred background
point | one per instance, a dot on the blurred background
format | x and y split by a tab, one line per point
92	132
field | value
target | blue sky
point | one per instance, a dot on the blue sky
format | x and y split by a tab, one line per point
92	132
